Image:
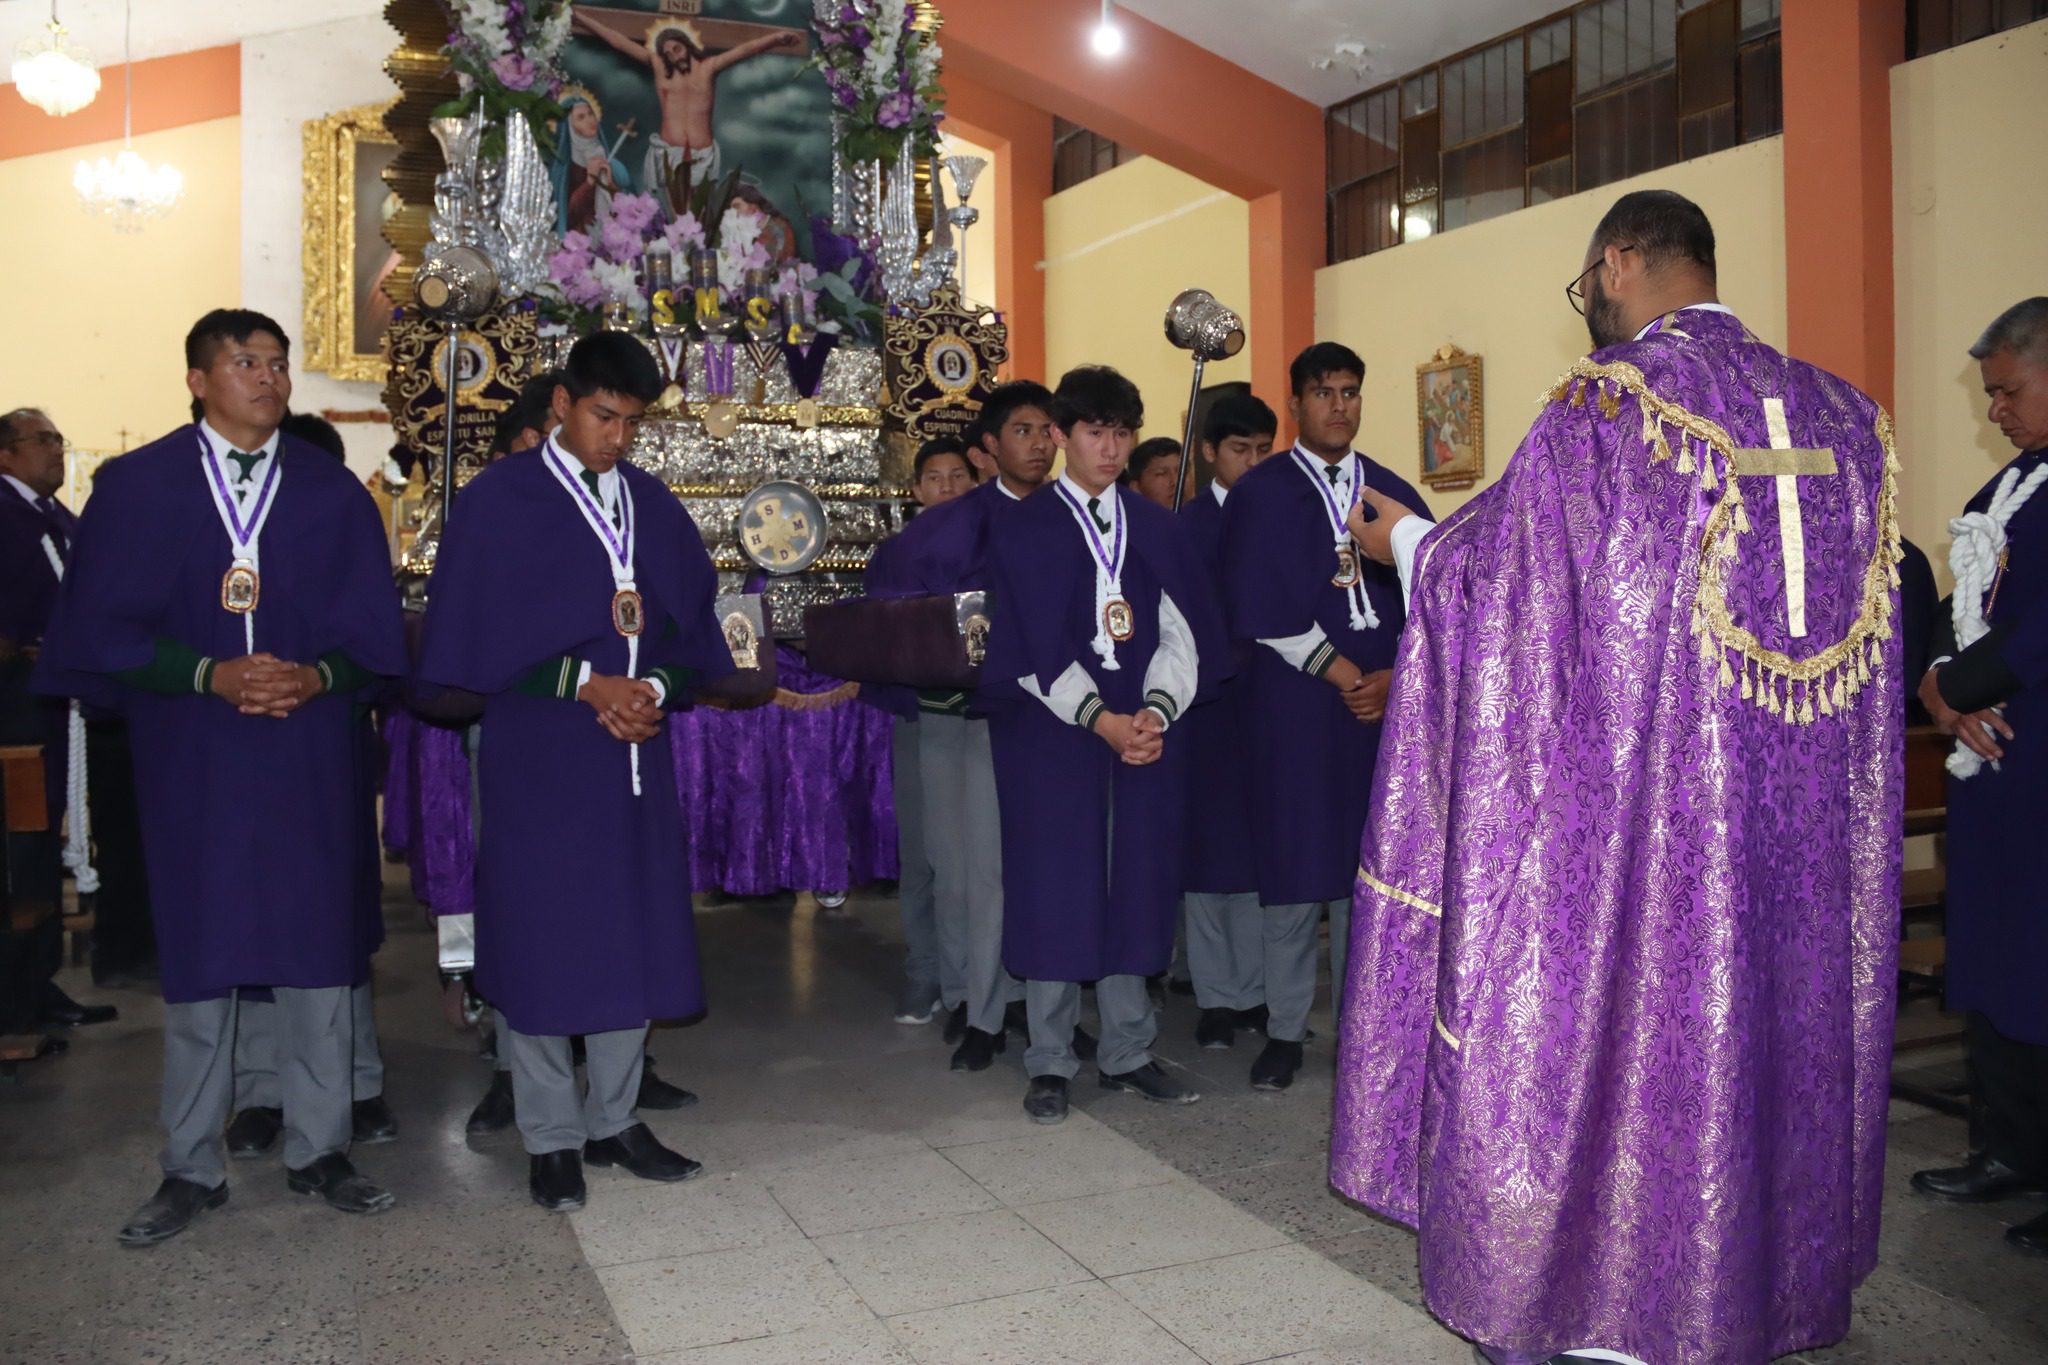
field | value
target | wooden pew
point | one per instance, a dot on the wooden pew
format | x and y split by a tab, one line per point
1922	902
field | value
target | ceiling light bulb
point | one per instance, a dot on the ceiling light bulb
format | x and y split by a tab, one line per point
53	73
1108	39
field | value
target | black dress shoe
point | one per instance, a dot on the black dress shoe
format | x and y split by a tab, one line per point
639	1152
1275	1068
1152	1083
555	1180
494	1112
1216	1029
1984	1179
170	1211
1084	1044
338	1182
1046	1100
59	1008
2030	1237
977	1050
254	1131
1253	1018
956	1024
373	1121
656	1093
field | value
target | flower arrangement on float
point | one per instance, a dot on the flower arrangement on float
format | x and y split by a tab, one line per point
507	57
883	72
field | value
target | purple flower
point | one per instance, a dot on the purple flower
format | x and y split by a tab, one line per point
635	212
897	110
514	71
859	36
849	14
829	36
619	242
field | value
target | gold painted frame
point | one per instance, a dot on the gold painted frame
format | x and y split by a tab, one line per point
1467	464
328	222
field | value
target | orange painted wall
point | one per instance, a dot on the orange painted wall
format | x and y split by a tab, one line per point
170	92
1022	137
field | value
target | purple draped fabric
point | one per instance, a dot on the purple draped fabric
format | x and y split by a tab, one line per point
1618	1020
442	853
400	730
787	797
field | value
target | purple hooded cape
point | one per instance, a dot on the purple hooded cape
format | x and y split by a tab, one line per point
250	826
1218	838
1618	1024
1306	755
1998	861
1091	845
583	912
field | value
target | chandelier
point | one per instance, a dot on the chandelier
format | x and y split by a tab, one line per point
53	73
128	189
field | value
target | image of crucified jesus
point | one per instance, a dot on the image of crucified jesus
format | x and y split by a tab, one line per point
685	77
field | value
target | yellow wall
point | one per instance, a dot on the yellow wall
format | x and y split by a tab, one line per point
1970	219
1496	289
98	317
1118	248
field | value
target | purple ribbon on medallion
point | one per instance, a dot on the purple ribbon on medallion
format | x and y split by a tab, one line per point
807	362
619	542
242	532
718	367
1112	559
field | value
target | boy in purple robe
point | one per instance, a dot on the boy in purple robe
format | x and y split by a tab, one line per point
1617	1041
1104	633
1219	882
231	591
1321	629
573	593
1989	688
945	551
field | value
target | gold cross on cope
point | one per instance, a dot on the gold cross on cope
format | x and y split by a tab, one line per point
1785	463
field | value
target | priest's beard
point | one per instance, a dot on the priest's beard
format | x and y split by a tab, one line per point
1603	317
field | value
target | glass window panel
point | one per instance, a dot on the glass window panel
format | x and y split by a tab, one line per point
1699	134
1631	131
1761	100
1364	218
1419	144
1483	180
1551	180
1363	137
1550	45
1418	94
1759	16
1550	114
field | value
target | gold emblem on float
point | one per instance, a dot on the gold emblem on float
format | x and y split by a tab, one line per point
782	527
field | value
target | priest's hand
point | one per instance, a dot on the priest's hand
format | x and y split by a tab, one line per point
1375	538
1978	730
626	707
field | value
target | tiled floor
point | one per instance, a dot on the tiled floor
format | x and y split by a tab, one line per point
863	1206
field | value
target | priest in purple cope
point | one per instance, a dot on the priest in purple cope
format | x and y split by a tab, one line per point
1989	688
230	590
1226	928
1103	633
1618	1031
1321	629
571	590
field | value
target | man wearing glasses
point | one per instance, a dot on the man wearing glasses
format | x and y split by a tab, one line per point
1619	1027
36	532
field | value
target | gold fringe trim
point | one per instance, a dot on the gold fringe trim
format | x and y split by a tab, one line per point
1826	682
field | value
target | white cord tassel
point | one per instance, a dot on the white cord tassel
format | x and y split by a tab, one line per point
1363	617
1979	540
78	821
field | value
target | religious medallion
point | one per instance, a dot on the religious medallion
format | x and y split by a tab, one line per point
239	589
627	617
741	641
1117	619
807	415
721	420
1348	572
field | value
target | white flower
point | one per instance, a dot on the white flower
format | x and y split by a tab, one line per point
621	285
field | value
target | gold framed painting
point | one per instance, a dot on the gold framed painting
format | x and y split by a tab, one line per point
347	261
1450	415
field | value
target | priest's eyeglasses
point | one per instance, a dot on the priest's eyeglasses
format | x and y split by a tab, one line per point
1575	292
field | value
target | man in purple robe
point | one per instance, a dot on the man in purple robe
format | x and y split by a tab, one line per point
573	593
230	590
945	551
1321	629
1226	936
1104	632
1618	1031
1989	688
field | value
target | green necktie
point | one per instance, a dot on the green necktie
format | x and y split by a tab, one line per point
1335	471
247	463
1101	522
590	476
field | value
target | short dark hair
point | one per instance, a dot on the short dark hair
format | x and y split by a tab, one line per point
530	411
317	431
10	428
1319	361
937	446
1159	447
611	362
1096	393
970	436
1238	414
224	325
2021	329
1664	226
1004	400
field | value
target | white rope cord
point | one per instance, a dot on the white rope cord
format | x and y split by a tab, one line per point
78	822
1979	541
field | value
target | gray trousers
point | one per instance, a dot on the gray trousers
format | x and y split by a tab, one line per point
1122	1004
552	1118
1226	949
963	836
312	1032
914	886
1290	935
256	1083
